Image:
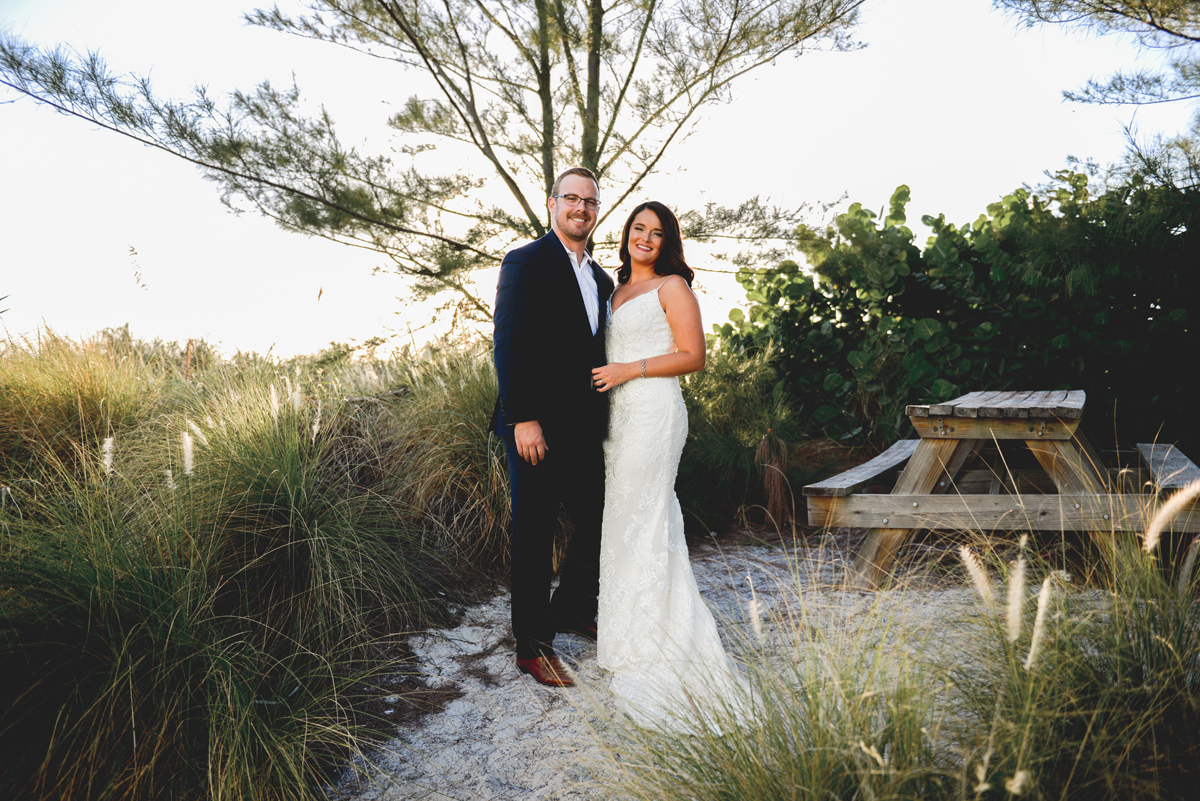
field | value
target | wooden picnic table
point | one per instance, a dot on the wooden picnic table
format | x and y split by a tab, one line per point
1075	492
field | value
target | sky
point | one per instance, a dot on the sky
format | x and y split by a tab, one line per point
950	97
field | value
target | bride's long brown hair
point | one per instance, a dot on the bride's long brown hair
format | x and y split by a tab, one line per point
670	256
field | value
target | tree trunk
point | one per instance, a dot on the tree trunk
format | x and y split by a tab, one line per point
591	119
545	94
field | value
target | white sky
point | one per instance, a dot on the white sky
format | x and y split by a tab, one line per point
950	97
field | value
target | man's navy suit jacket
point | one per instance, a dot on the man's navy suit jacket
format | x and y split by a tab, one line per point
544	346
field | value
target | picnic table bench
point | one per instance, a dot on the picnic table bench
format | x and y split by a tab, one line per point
1072	490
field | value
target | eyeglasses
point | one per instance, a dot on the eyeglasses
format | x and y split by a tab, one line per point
573	200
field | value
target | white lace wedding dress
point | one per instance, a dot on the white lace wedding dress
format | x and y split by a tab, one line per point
656	635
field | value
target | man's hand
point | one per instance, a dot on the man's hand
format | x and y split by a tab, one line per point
531	445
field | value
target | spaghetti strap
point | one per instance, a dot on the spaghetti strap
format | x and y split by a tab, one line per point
668	278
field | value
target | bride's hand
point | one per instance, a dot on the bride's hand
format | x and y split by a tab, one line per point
614	374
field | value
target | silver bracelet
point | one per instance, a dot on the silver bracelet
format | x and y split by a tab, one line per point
643	368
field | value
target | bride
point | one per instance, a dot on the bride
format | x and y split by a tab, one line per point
656	635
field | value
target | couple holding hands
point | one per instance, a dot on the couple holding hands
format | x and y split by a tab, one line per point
593	419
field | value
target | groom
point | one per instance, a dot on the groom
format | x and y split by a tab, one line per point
549	334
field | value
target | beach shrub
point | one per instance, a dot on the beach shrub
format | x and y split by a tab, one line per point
1056	289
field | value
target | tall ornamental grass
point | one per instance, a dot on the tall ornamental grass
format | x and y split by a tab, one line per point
57	395
1030	687
125	680
835	712
193	595
439	461
1092	693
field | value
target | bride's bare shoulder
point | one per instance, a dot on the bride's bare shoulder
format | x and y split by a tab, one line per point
675	288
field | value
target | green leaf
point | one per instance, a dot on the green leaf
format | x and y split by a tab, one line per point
1032	308
1061	341
736	315
927	328
921	375
900	198
833	381
943	389
858	359
823	414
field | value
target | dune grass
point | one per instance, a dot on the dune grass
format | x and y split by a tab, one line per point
1024	683
60	398
1092	692
192	591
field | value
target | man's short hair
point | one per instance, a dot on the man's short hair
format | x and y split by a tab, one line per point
582	172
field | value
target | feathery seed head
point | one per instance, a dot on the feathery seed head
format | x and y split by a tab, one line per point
189	456
106	450
1018	784
197	432
978	575
1167	512
1039	623
1016	597
754	612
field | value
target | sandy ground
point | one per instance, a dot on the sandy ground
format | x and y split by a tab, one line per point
507	737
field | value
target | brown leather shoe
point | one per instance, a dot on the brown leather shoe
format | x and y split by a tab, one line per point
585	629
546	670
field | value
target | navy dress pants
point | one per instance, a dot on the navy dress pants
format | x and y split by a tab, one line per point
571	477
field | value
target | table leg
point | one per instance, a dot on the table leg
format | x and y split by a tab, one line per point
1075	471
1071	468
932	459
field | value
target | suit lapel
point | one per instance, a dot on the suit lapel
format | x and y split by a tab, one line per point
604	290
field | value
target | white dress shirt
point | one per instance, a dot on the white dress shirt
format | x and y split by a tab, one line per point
587	285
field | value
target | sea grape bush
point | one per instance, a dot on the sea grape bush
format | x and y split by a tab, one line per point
1049	289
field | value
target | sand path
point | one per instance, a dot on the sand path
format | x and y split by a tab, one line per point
507	737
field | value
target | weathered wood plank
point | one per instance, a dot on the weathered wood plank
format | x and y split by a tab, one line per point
983	513
1065	404
925	468
1169	468
991	406
1072	407
858	477
1093	456
977	406
993	428
1043	404
1015	405
947	408
1072	471
963	406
